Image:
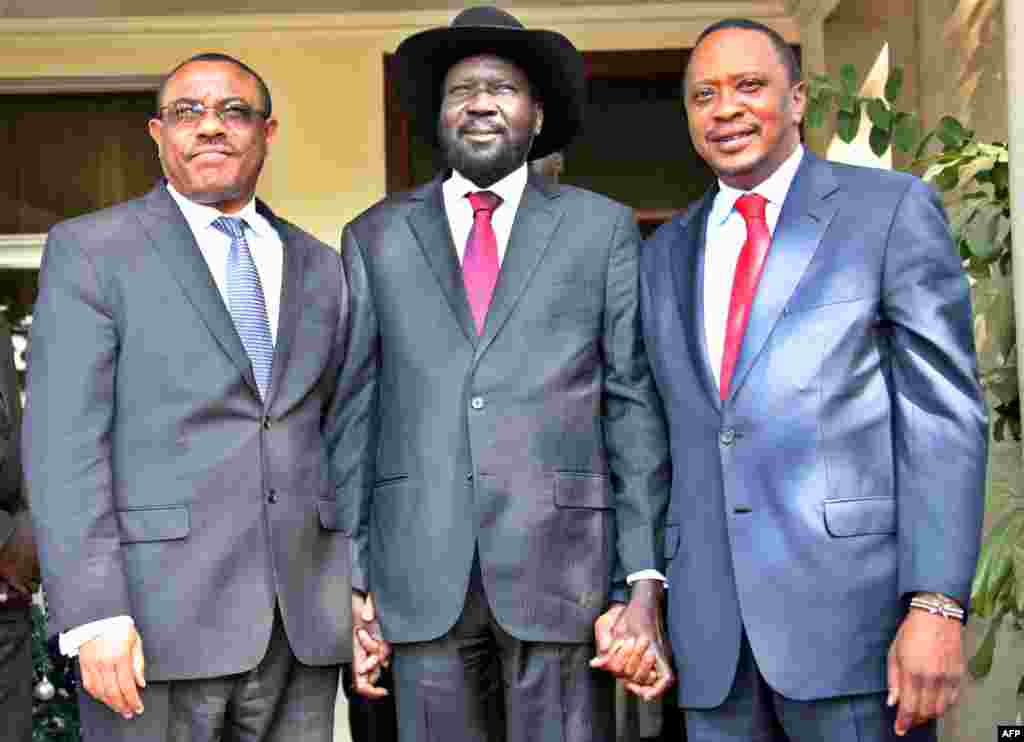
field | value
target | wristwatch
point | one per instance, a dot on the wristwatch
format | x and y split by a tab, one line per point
938	604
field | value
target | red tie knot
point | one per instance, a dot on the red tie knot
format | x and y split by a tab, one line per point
751	206
484	201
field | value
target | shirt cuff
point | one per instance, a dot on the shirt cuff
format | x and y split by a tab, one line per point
645	574
71	641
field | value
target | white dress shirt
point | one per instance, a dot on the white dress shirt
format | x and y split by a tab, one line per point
726	233
460	212
268	254
460	221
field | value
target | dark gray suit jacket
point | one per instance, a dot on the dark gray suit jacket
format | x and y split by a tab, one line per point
161	486
12	501
541	443
846	469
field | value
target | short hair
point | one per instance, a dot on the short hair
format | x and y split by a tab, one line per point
785	52
217	57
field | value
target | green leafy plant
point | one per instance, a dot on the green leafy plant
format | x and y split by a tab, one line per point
975	176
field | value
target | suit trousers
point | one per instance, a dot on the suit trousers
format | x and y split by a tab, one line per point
754	712
478	683
15	675
280	700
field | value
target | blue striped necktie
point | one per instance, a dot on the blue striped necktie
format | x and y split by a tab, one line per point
246	302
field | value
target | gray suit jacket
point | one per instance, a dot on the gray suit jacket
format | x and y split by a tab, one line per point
162	487
12	501
846	469
540	443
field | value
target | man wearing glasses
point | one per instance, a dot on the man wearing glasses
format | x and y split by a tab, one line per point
186	443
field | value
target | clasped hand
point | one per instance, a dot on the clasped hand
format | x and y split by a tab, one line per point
631	642
370	653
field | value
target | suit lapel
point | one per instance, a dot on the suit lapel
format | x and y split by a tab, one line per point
805	216
532	230
174	241
291	303
688	273
430	225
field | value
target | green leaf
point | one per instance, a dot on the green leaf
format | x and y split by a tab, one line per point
879	114
815	115
1018	575
848	103
879	140
924	142
1001	175
980	665
947	180
847	125
982	231
907	131
848	78
950	132
894	85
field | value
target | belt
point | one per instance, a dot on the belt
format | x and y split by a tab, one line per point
11	599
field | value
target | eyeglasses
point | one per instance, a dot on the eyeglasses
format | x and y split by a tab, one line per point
233	113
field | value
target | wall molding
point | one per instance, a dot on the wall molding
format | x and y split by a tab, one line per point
362	22
79	84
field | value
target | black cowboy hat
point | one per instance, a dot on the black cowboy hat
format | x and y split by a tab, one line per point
551	63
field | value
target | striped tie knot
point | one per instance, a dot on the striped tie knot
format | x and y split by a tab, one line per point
232	226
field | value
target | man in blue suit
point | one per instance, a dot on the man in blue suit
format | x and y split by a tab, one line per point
809	328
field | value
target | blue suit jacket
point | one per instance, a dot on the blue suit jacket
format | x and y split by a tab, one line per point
846	469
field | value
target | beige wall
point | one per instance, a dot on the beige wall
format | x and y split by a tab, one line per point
326	76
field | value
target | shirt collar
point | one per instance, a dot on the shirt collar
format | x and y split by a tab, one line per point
774	188
510	188
201	217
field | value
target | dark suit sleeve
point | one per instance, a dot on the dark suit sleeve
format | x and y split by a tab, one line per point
355	466
11	500
939	422
634	427
67	446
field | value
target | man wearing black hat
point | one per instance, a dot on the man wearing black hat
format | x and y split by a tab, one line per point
517	464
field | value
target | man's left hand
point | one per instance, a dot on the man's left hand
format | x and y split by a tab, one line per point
19	563
926	666
631	642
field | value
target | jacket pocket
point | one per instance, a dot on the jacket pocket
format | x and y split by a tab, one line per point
860	516
153	524
582	490
389	480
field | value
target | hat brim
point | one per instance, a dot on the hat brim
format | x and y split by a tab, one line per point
552	64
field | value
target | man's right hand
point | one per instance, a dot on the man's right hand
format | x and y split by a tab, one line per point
369	650
113	669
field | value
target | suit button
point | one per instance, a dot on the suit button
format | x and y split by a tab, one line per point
727	436
266	422
469	477
477	403
272	496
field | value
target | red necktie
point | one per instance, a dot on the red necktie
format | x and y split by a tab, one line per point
480	260
744	282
